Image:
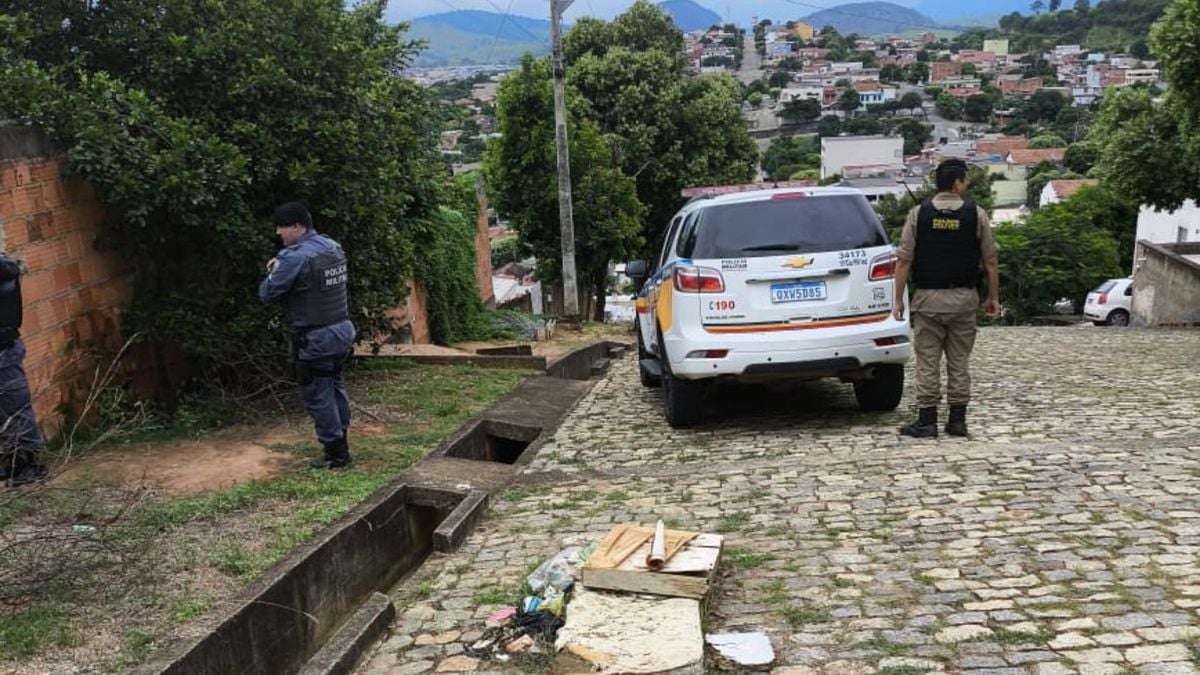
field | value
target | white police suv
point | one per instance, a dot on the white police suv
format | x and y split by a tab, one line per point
771	283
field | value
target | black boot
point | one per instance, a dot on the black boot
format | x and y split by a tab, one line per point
337	456
957	424
925	426
8	466
26	470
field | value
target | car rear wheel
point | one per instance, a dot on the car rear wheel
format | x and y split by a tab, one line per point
1118	317
682	399
883	392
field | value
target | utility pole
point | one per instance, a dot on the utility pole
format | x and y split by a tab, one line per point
566	214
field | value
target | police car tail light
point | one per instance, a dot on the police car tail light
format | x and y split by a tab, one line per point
708	354
698	280
883	267
1103	299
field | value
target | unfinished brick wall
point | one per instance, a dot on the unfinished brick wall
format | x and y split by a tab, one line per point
72	292
483	247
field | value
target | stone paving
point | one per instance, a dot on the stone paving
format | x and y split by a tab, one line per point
1062	538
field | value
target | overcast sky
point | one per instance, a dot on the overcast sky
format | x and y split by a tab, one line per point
741	10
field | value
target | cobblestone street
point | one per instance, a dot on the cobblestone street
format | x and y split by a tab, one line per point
1063	537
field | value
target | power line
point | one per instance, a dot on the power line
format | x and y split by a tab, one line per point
516	23
499	31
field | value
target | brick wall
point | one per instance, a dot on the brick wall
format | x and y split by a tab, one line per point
72	292
483	247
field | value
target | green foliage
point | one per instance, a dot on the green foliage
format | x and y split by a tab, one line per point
1040	175
522	171
916	134
506	251
1046	140
787	155
1145	151
849	101
223	110
830	125
445	267
34	630
911	101
1056	252
1081	157
643	118
801	110
949	107
862	126
1112	25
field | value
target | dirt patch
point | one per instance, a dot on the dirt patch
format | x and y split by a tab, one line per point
226	459
409	350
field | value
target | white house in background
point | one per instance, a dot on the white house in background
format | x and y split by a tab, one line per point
1169	227
871	92
861	156
1059	190
793	92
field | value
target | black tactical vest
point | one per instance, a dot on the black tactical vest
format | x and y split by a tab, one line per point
947	253
10	301
318	297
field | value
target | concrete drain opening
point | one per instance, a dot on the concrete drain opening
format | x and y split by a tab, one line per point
492	441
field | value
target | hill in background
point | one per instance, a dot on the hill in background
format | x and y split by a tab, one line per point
871	18
690	16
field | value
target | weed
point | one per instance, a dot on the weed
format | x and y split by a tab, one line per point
1193	648
883	646
672	523
803	616
842	583
1011	637
775	593
616	496
733	523
746	559
35	629
491	595
192	608
902	670
757	493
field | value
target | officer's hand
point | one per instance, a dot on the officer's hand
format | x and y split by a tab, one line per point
898	310
992	308
271	264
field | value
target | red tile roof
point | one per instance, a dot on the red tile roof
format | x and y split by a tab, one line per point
1032	157
1066	188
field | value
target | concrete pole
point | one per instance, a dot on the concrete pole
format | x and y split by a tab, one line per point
566	215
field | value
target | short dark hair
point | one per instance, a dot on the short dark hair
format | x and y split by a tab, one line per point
292	213
949	172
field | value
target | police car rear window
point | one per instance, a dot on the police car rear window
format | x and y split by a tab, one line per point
1105	287
772	227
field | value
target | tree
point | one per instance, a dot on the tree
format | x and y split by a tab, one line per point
780	79
912	101
1082	6
522	170
1046	140
915	133
849	101
791	63
1050	256
786	156
829	126
916	73
977	108
1081	157
755	100
1055	4
801	109
948	106
1043	106
891	73
1037	6
862	126
667	130
218	114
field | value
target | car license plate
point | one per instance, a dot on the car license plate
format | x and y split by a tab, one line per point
805	290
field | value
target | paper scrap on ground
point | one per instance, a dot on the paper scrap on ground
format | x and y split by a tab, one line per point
622	633
746	649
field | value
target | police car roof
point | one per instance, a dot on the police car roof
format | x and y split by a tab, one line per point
762	195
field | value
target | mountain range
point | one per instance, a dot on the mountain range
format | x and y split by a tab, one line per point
871	18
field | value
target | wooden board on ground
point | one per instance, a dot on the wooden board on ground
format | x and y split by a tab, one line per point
687	574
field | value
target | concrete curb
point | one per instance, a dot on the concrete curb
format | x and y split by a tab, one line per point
343	653
293	617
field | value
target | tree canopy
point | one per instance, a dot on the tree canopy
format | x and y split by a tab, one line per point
193	120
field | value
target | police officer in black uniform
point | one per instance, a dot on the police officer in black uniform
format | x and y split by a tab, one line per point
309	276
20	440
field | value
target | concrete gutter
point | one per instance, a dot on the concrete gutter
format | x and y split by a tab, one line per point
319	609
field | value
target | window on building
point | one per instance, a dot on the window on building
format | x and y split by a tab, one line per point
1181	235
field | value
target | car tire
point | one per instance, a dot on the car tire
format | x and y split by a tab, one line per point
1118	317
647	379
682	399
881	393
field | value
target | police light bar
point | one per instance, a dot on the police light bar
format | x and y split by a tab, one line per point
716	190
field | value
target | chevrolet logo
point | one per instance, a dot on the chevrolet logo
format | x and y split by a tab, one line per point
798	263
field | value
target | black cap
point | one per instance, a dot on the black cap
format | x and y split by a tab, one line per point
292	213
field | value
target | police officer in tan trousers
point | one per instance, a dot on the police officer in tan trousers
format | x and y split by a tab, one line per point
944	241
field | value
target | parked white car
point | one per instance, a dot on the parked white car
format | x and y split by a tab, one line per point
1109	304
793	283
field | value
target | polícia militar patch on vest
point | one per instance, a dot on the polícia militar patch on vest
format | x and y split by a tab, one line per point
333	275
947	224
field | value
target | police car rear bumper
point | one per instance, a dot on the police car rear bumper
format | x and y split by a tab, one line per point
817	353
